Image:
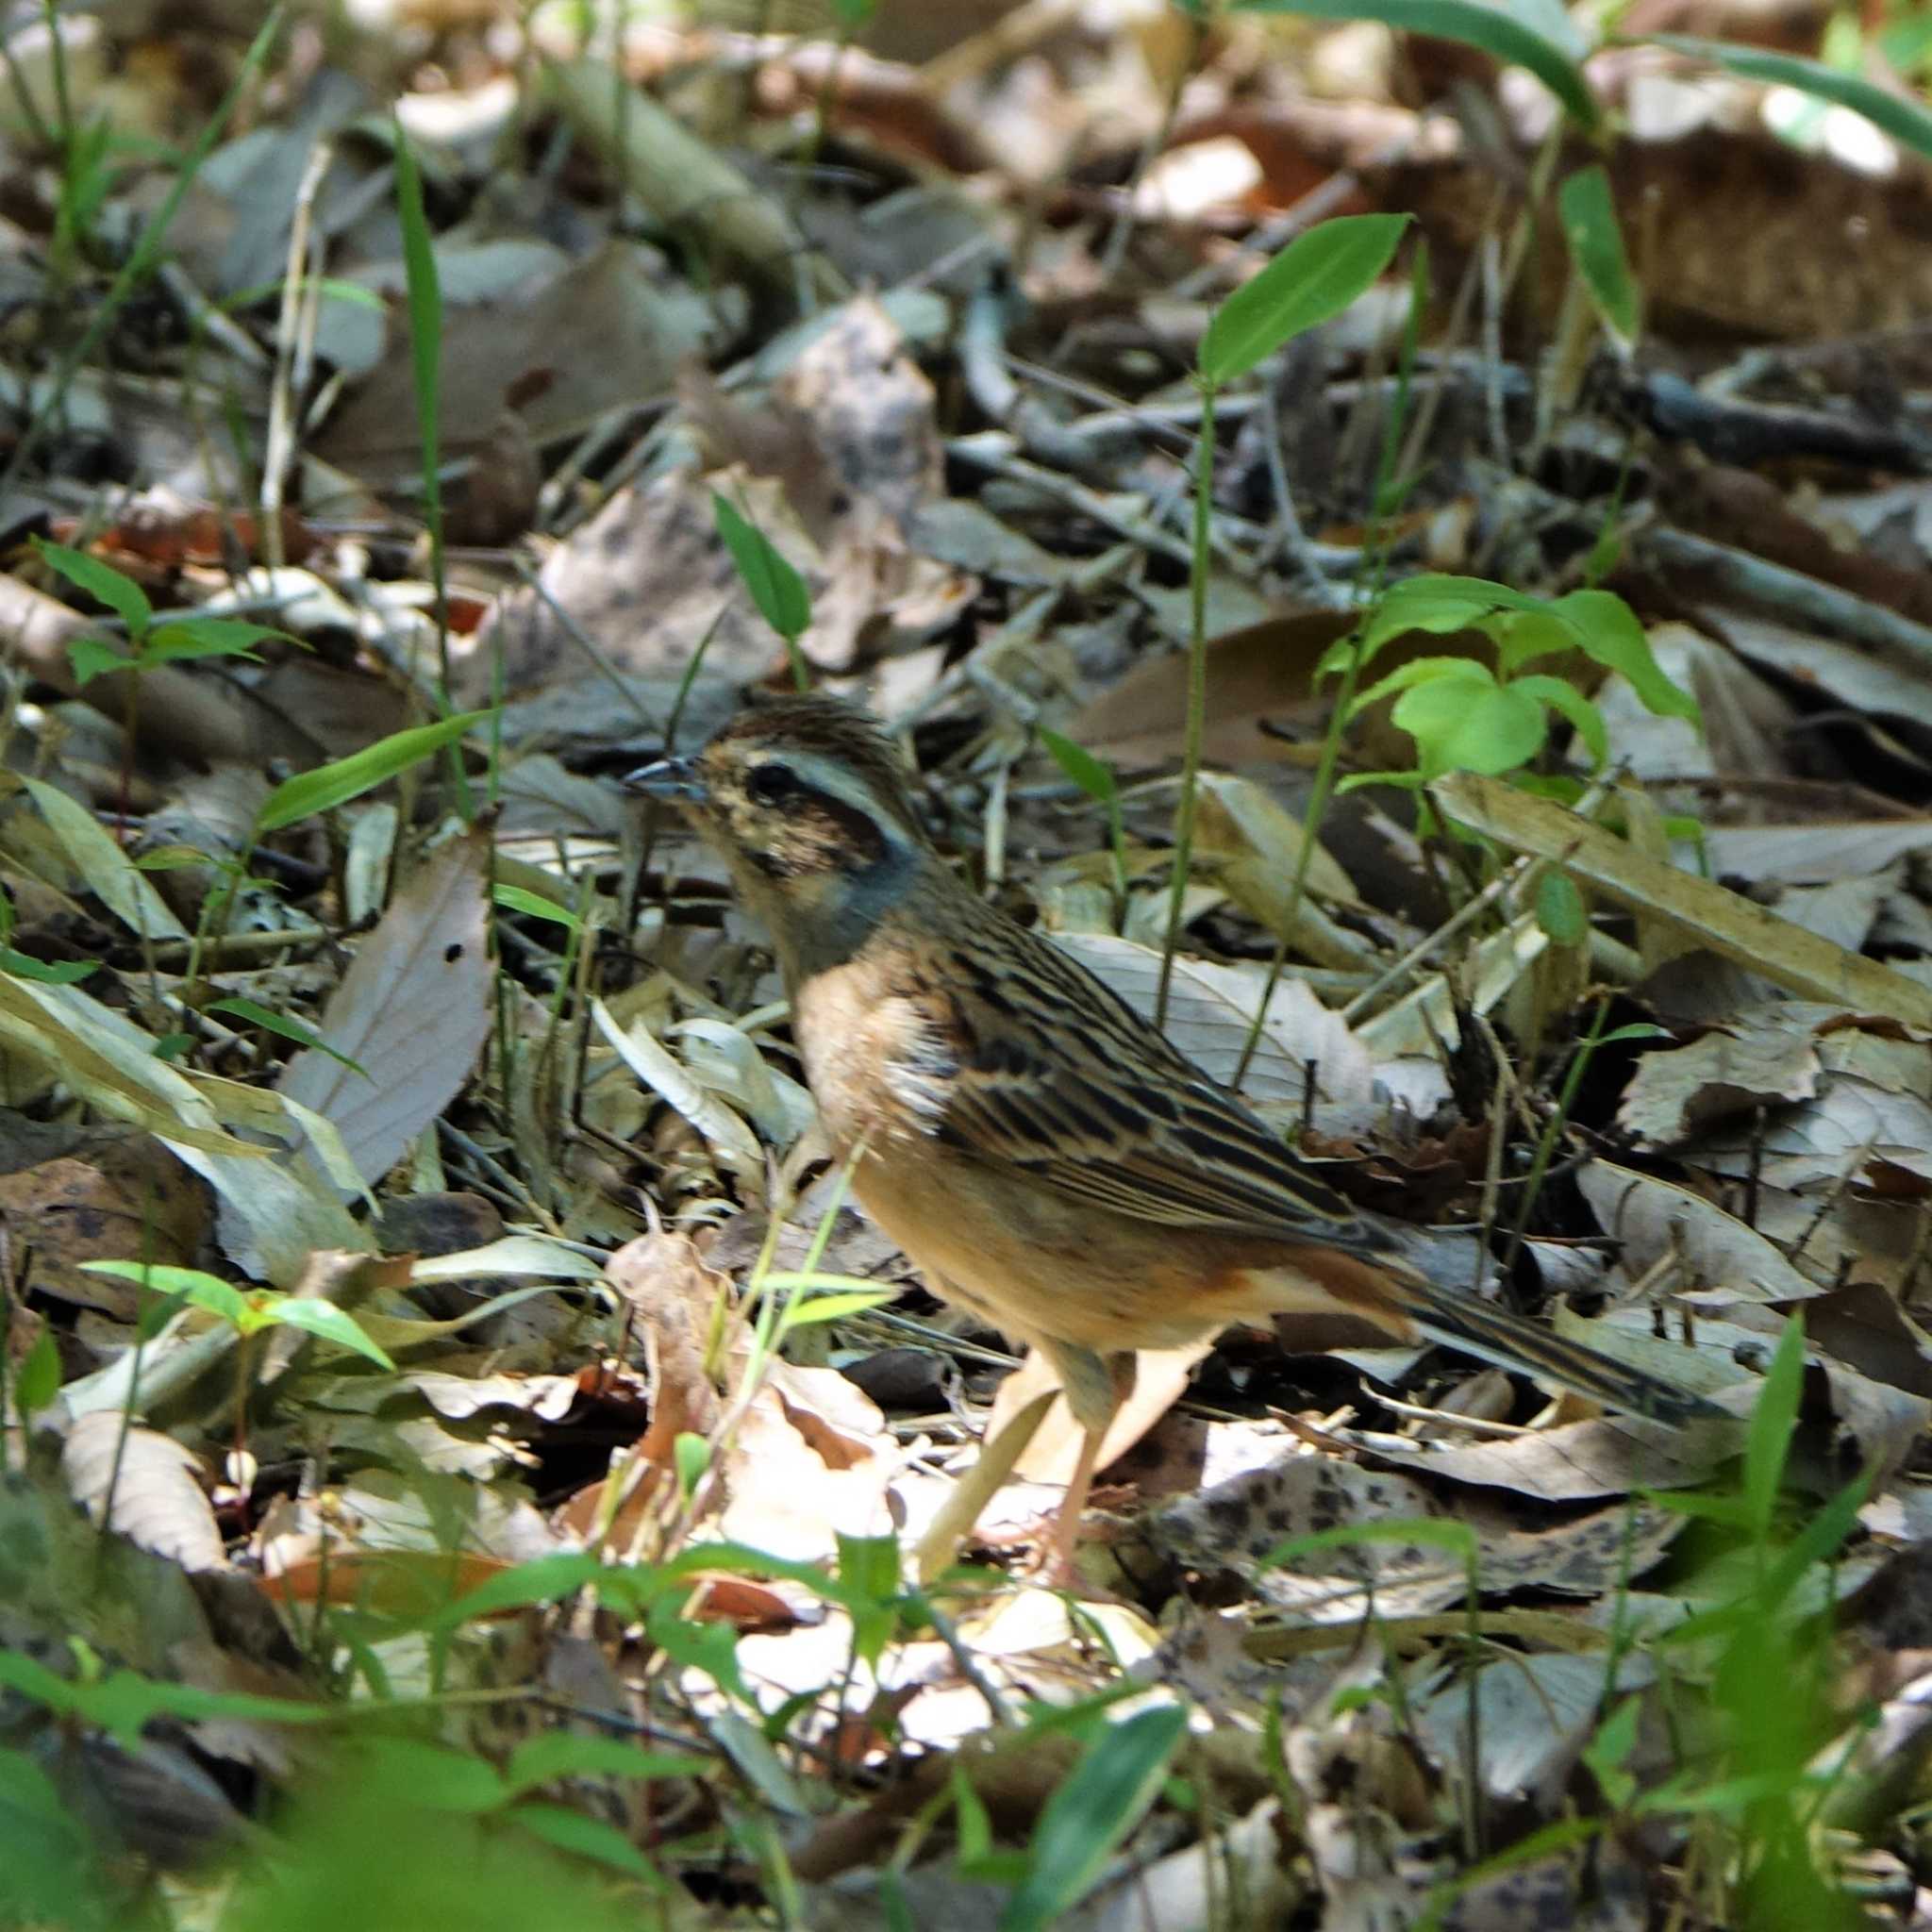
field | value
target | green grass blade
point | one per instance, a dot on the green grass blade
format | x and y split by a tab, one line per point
1589	214
1537	36
1906	121
328	786
1312	281
1101	1800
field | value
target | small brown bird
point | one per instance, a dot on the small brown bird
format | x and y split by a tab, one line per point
1043	1156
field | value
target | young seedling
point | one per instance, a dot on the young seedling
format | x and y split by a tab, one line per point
775	588
152	640
1312	281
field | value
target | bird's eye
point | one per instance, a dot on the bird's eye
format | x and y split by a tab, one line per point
770	784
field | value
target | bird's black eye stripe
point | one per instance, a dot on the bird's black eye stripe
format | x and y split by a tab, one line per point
771	784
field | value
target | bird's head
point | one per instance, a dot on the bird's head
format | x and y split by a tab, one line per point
807	801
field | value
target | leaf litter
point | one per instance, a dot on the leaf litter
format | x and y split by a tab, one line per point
435	1052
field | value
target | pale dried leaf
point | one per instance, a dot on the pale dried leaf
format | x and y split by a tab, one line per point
156	1500
1767	1056
1575	1463
515	1254
108	1060
1210	1011
1725	922
1234	1524
413	1009
1654	1220
274	1216
1532	1716
1423	1021
734	1143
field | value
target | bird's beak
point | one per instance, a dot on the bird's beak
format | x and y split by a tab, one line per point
672	778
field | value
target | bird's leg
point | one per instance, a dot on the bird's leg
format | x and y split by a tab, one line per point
1094	1386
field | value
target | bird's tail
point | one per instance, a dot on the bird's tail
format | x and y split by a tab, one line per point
1459	1320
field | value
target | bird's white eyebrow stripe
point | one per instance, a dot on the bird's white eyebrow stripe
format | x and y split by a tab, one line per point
837	781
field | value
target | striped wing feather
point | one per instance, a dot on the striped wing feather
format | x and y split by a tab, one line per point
1036	1065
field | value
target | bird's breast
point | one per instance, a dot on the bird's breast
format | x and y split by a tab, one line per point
877	1062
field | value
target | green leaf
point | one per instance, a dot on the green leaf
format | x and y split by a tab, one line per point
271	1022
535	906
1422	671
424	302
710	1649
870	1564
1589	214
432	1776
1313	279
1524	33
1559	908
1094	776
1606	630
552	1755
1608	1752
691	1455
1435	604
1772	1420
1460	726
38	1379
832	1308
775	588
208	1292
972	1826
1102	1799
542	1580
328	1321
102	582
206	637
1523	636
588	1838
328	786
47	973
1906	121
1573	704
1818	1541
91	656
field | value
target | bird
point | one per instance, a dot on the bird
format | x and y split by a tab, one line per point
1041	1153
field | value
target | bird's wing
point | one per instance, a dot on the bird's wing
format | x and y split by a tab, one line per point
1033	1065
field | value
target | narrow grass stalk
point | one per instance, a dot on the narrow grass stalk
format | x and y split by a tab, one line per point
1386	496
1197	694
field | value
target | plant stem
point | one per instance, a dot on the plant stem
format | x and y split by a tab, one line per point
1197	694
1381	506
1318	805
146	252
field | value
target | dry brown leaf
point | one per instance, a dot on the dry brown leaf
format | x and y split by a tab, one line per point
119	1196
680	1308
1257	679
1764	1058
610	330
1210	1011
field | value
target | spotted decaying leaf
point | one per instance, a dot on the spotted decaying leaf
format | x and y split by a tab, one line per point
1235	1526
